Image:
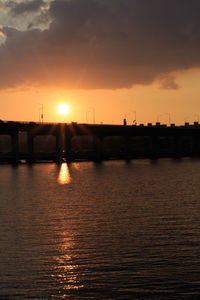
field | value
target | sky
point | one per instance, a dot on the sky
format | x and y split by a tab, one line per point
107	59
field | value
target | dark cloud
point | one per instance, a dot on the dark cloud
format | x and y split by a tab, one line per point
24	7
105	44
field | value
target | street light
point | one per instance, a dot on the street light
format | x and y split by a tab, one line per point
169	117
134	119
91	109
41	115
197	115
126	115
93	113
86	114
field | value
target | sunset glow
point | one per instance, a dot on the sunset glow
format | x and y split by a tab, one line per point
119	68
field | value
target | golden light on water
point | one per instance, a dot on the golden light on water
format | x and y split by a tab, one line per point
66	271
63	109
64	175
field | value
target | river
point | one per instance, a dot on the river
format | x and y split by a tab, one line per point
100	231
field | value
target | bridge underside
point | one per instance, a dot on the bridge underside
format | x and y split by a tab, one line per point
33	142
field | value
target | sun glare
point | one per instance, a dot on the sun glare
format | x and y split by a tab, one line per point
63	109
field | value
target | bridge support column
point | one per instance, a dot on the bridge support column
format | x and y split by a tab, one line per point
30	140
128	152
155	147
195	146
58	146
15	147
68	138
98	148
177	147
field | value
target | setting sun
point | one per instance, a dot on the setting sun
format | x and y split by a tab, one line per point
63	109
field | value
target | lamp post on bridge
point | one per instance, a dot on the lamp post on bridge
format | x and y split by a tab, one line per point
134	119
169	117
41	112
93	113
91	109
134	116
197	115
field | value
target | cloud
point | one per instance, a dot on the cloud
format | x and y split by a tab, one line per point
24	14
27	7
168	82
18	8
106	44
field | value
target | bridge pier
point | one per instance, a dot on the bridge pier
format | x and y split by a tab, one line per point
68	142
58	146
177	141
15	147
195	146
98	148
30	141
128	152
154	147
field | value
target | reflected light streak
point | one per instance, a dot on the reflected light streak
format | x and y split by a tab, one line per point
64	175
65	270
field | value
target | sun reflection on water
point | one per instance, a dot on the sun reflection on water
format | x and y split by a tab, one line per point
64	175
65	270
67	273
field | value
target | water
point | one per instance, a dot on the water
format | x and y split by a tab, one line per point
109	231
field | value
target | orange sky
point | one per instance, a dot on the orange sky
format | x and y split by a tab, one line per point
151	103
112	58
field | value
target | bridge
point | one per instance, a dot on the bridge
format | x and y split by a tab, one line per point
106	141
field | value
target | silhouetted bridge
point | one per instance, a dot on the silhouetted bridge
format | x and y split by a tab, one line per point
126	142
